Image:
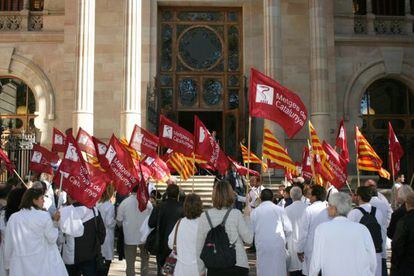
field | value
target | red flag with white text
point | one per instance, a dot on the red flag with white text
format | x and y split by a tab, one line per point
175	137
144	141
76	181
270	100
160	171
100	148
395	150
337	166
241	169
42	160
306	164
58	141
341	142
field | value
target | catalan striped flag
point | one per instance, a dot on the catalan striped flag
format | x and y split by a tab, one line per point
253	158
184	166
321	164
134	154
368	159
273	151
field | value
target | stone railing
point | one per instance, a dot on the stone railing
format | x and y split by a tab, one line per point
18	21
383	25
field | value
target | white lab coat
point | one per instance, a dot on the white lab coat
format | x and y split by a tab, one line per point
343	248
3	271
355	215
295	212
314	215
30	245
271	227
330	191
186	247
107	211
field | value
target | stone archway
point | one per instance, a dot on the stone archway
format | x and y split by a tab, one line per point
15	65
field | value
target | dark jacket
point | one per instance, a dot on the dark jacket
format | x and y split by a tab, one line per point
395	217
86	246
402	260
169	211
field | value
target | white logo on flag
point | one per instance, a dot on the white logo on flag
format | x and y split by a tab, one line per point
342	133
138	138
101	149
58	139
37	157
83	139
71	153
65	174
167	132
202	135
149	160
110	154
264	94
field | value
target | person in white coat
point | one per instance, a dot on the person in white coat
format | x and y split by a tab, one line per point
342	247
295	212
363	199
30	245
314	215
186	237
107	211
271	228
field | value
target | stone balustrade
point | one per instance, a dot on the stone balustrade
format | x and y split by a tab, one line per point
383	25
18	21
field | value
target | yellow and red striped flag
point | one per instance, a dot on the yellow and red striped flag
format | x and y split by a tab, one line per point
368	159
273	151
184	166
253	157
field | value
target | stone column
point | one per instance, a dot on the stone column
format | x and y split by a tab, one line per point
319	84
131	100
370	18
26	4
84	90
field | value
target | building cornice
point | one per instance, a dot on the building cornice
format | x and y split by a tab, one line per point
32	37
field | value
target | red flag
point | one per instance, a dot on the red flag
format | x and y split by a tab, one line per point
58	141
338	166
341	142
100	148
306	164
208	148
270	100
42	160
142	192
9	165
144	141
159	168
175	137
395	150
120	163
75	179
241	169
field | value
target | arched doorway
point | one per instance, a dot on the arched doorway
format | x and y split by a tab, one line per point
389	100
17	115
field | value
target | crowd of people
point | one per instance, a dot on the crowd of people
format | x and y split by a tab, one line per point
304	229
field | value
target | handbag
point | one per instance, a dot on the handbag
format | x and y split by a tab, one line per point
169	265
99	259
152	245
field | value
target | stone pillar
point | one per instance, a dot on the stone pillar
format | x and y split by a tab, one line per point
26	4
131	100
319	77
84	90
370	18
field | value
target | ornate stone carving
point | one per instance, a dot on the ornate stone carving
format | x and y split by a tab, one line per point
10	23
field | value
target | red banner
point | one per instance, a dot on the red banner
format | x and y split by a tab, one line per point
144	141
270	100
337	166
341	142
175	137
58	141
9	165
42	160
75	175
395	150
208	148
241	169
306	164
100	148
85	143
159	168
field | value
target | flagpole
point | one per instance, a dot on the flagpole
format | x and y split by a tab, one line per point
14	170
60	189
248	154
270	180
192	186
392	167
412	179
356	154
349	187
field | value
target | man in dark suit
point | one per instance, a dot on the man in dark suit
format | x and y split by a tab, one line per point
238	183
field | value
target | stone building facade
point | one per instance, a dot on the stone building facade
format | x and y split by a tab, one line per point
103	65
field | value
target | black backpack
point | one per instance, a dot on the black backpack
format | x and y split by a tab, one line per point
369	220
217	251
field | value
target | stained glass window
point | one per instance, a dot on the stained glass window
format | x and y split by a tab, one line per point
233	47
212	91
188	91
166	49
233	99
200	16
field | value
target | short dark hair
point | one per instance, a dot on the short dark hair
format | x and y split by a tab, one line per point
5	189
29	196
365	193
13	181
319	192
193	207
172	191
266	195
13	201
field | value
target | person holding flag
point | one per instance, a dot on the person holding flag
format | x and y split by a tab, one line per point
395	151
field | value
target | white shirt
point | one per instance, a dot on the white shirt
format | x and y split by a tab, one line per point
107	211
295	212
330	191
343	248
186	247
314	215
254	194
132	218
30	245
